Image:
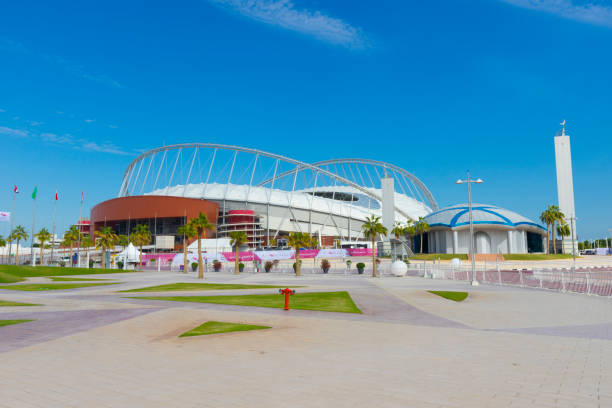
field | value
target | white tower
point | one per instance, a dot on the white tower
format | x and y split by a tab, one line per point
565	186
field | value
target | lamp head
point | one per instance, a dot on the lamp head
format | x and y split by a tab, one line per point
459	181
478	181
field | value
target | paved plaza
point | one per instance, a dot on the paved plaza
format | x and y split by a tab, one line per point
503	346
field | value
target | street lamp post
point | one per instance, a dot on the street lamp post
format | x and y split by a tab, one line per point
469	182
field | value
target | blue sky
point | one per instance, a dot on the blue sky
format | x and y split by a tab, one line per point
436	87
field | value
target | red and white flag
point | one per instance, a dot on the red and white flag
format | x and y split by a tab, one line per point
15	190
56	195
5	216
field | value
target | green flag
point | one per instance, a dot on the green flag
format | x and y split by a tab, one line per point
34	192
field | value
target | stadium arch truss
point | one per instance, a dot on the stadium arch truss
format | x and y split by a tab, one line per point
330	198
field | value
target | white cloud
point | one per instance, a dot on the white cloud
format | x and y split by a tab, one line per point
282	13
103	148
89	120
13	132
586	12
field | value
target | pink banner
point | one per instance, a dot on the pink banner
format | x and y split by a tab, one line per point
307	253
359	251
242	256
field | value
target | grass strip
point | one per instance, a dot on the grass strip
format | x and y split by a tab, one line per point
320	301
456	296
32	271
56	279
9	303
31	287
10	322
8	278
199	286
213	327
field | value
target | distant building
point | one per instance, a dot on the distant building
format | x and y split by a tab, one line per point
496	230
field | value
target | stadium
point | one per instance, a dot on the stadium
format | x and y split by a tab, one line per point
264	194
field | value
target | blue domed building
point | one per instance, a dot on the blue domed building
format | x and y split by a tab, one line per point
496	230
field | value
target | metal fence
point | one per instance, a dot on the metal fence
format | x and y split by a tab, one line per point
591	281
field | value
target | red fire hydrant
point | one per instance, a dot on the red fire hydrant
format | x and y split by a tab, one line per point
287	292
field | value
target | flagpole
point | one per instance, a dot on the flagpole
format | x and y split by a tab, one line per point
79	225
53	233
33	229
11	230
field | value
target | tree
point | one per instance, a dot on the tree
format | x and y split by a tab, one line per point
43	236
314	242
372	228
410	231
141	236
124	241
547	217
2	242
563	230
237	238
421	227
398	230
298	240
557	216
105	241
188	232
18	234
201	225
87	243
71	237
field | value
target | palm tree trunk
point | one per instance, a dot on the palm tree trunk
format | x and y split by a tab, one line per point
374	274
42	245
553	239
236	262
547	238
200	268
103	258
184	254
298	269
421	235
17	254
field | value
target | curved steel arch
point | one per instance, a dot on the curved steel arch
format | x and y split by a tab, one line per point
300	165
430	198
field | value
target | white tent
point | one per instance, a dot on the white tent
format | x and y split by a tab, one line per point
193	257
128	255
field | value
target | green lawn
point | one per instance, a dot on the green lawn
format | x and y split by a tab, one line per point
323	301
220	327
535	257
8	303
456	296
56	279
9	322
31	271
8	278
52	286
199	286
434	257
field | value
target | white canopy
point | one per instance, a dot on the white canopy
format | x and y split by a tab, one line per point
129	254
211	245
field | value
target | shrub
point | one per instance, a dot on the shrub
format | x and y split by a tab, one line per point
360	267
348	263
217	265
377	261
268	265
240	266
194	266
325	265
91	263
120	265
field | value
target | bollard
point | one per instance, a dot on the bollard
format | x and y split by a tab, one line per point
287	292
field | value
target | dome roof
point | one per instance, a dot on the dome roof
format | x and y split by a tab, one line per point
483	214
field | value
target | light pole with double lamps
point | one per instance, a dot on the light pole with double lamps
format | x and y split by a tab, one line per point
469	182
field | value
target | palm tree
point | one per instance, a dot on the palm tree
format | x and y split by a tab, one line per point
298	240
43	236
410	231
563	230
314	242
141	236
188	232
201	225
105	241
124	241
559	217
2	242
72	237
548	217
237	238
398	230
421	227
372	228
18	234
87	243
